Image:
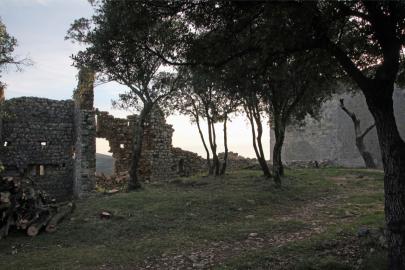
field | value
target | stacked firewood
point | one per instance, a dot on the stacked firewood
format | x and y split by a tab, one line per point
25	207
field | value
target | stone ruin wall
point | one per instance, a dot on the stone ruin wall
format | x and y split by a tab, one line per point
331	141
187	163
51	141
54	142
38	140
160	161
85	134
238	162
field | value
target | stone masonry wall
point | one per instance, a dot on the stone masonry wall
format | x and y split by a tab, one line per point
159	160
38	139
119	133
331	140
52	141
187	163
85	134
238	162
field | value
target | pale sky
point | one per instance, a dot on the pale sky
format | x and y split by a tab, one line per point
40	27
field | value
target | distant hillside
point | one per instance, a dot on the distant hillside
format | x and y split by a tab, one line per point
104	163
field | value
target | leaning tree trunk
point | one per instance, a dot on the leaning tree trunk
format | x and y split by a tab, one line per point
392	147
134	181
278	168
212	140
214	150
197	120
259	153
366	155
223	169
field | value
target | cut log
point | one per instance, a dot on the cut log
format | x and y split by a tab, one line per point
26	207
40	222
59	216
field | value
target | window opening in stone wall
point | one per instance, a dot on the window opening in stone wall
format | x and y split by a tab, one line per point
38	170
43	144
122	146
41	170
6	143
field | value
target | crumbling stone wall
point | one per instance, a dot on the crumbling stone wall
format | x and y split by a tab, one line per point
187	163
37	139
119	133
237	162
331	140
159	160
156	161
85	134
52	141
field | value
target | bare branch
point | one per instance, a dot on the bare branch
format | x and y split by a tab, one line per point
367	130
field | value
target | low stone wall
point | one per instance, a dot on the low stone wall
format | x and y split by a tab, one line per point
187	163
237	162
310	164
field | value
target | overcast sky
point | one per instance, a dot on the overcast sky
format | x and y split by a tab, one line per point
40	27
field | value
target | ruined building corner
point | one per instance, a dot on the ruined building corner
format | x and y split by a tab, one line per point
85	134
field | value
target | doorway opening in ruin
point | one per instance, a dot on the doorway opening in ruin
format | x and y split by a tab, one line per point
104	159
180	168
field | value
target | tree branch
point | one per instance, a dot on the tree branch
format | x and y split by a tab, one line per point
349	113
367	130
347	64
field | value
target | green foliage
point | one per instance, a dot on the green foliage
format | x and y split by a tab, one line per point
116	37
7	46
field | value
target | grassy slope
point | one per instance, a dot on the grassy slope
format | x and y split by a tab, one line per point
311	223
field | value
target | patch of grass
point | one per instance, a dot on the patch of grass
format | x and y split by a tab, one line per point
193	213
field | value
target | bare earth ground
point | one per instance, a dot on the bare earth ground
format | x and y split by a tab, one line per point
319	219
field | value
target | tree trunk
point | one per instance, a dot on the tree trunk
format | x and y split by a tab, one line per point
197	120
134	181
367	157
260	158
213	146
278	168
223	169
392	148
258	120
214	150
